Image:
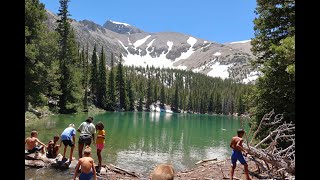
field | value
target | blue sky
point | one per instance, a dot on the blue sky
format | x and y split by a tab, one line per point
215	20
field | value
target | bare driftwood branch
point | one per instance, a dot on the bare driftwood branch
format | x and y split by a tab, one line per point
282	160
266	117
123	171
206	160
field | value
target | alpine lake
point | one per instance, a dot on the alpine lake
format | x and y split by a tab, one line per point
138	141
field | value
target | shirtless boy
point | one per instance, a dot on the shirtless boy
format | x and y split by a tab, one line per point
53	147
32	143
87	166
237	149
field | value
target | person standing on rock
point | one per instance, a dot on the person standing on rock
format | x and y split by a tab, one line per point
237	149
100	142
68	139
87	130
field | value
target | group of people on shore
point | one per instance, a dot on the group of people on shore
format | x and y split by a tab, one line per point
87	132
87	137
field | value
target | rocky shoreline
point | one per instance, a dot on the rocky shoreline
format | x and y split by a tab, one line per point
203	170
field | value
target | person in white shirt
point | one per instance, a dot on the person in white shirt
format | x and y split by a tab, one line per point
87	130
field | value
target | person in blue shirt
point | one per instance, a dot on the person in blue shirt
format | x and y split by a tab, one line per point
68	139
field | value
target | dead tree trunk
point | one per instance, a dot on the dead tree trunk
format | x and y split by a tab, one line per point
281	159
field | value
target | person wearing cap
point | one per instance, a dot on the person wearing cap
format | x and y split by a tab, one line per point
68	139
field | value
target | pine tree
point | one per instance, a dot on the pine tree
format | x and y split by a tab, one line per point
94	75
70	98
162	95
175	103
190	104
140	104
102	82
149	93
274	45
155	92
211	102
240	105
218	107
121	86
275	21
86	78
35	71
49	53
111	103
131	96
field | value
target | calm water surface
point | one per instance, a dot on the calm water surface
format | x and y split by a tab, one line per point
137	141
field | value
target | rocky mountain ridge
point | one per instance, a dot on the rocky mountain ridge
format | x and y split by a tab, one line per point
166	49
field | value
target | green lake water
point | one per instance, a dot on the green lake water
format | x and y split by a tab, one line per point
138	141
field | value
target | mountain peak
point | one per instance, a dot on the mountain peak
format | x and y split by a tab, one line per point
121	28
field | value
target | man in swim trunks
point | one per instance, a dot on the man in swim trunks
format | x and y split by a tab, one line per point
87	166
237	149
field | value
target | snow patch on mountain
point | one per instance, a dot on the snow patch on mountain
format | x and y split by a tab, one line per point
129	42
217	54
251	77
240	41
182	67
219	70
191	41
115	22
185	55
141	41
123	46
150	44
170	44
138	60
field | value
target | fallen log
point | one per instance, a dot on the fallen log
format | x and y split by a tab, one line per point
272	153
205	160
280	163
218	162
121	171
233	178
